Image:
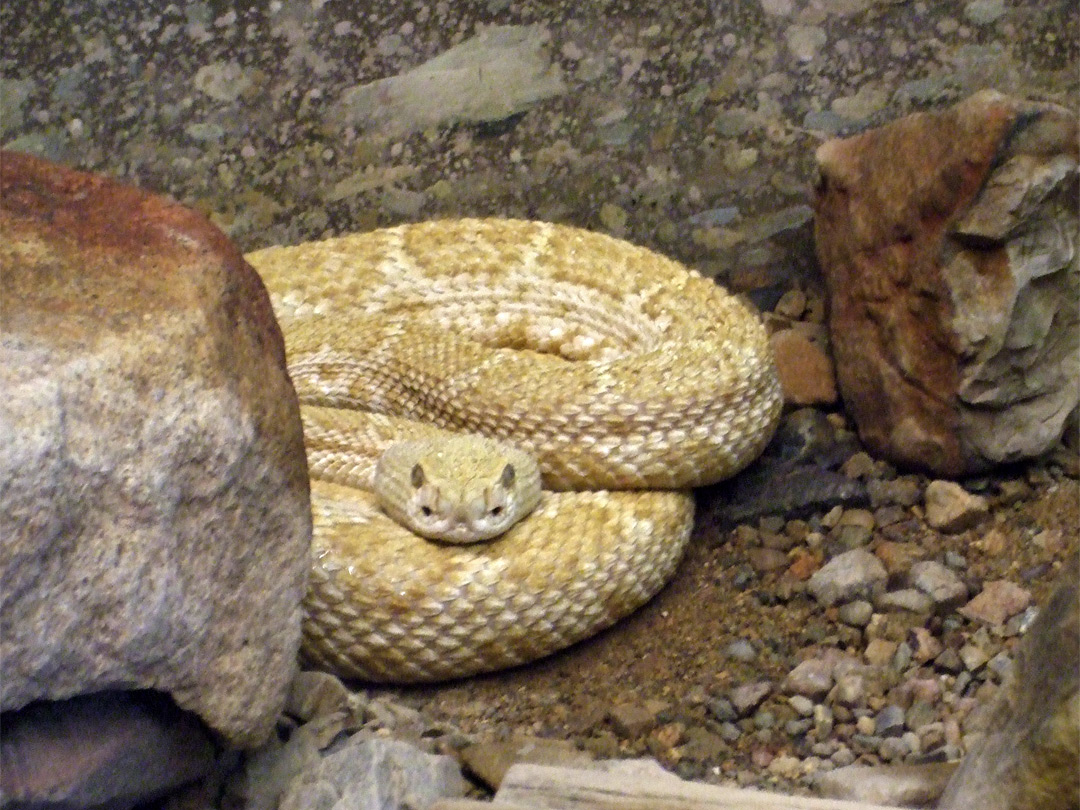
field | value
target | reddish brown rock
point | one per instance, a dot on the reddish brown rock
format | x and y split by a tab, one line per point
805	370
154	515
948	243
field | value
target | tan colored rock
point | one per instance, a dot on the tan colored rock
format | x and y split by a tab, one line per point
154	515
948	244
951	508
997	602
805	370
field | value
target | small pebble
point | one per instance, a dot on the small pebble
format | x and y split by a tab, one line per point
1001	665
924	646
843	756
905	599
811	678
973	657
951	508
998	600
860	465
721	709
730	732
949	661
850	690
802	705
740	650
749	696
889	721
894	749
902	657
847	576
920	714
879	651
792	304
938	582
856	613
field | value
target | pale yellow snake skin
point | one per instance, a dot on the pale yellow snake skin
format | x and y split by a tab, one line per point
616	368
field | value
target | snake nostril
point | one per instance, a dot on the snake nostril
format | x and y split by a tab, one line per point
496	511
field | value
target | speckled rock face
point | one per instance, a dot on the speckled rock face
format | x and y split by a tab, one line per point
154	515
948	242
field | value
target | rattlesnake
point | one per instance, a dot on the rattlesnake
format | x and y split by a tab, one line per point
629	378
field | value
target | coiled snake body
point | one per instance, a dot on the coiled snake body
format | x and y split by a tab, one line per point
629	378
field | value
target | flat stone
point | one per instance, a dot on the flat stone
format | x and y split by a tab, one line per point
633	720
973	657
489	761
889	785
501	71
889	722
996	602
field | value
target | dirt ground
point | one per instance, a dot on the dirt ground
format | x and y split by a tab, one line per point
689	127
674	651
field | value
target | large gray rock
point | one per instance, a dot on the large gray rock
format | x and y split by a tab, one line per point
949	242
154	514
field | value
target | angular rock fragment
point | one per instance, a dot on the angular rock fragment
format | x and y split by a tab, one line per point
949	245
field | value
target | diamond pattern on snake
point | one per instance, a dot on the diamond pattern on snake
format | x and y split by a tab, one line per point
578	379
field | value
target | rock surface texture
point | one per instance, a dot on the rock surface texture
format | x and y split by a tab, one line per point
948	243
154	515
108	749
1028	756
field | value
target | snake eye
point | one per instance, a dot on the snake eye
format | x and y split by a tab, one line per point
417	475
426	511
508	476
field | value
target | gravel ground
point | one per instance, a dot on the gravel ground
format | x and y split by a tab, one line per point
688	127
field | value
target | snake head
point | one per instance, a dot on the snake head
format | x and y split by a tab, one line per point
462	489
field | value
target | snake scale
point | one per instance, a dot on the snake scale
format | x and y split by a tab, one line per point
629	379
